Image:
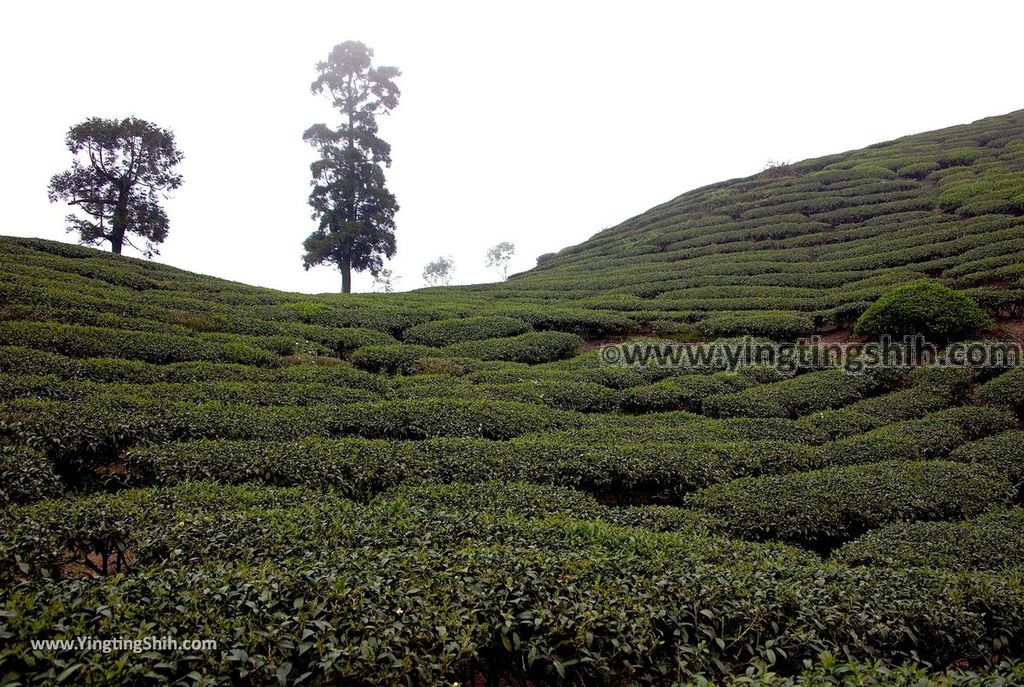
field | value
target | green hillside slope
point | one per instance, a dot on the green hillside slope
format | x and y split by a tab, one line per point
816	240
452	486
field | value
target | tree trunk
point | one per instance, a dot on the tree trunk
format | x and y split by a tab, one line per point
346	272
119	222
346	255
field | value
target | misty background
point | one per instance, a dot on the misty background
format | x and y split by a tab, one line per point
534	123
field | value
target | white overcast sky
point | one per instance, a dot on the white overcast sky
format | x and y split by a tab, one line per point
537	123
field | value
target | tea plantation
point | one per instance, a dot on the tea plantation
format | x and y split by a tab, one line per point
450	486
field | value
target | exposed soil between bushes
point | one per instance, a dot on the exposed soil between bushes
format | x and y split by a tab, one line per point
1014	329
593	344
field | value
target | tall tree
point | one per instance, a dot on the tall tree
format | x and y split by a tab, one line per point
121	171
354	209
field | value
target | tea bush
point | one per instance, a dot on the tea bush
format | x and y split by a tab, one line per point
441	333
390	359
77	435
531	348
1002	452
454	486
933	436
1005	391
76	341
560	602
801	395
17	360
776	325
683	392
823	507
927	308
360	468
992	541
26	475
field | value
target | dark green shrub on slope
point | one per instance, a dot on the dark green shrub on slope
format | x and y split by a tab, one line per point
531	348
798	396
873	413
927	308
990	542
834	505
1002	452
390	358
680	392
290	581
82	342
582	396
17	360
585	323
930	437
26	475
776	325
360	468
446	332
1004	391
93	432
246	393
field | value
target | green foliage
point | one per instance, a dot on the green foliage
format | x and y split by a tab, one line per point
777	325
531	348
446	332
926	308
683	392
17	360
93	431
120	170
354	210
586	323
932	389
562	599
438	486
995	190
76	341
820	508
990	542
621	471
390	358
933	436
1005	391
1003	452
829	671
801	395
26	475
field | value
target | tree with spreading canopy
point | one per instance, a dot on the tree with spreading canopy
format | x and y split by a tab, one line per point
121	171
353	207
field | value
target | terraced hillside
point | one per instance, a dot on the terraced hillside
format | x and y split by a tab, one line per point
807	246
451	486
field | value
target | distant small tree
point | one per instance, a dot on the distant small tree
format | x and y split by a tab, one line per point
384	281
775	169
499	255
354	208
121	171
439	272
